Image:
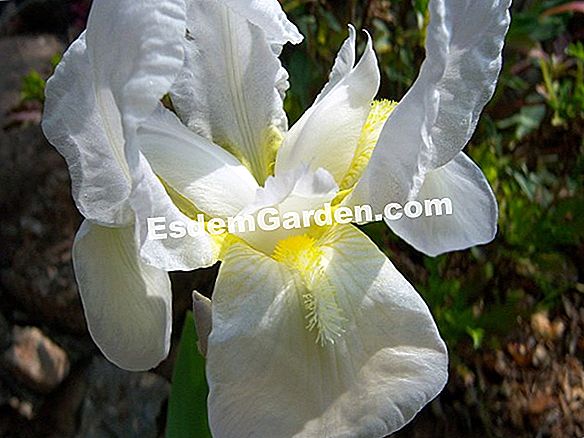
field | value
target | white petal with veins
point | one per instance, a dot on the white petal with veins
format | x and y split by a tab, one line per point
327	134
231	88
268	376
87	131
127	304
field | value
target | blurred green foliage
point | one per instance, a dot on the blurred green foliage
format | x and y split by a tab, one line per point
32	85
528	143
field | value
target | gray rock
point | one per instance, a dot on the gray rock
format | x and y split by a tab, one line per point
121	403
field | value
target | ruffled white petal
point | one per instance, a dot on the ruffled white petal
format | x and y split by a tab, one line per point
269	378
438	115
136	52
327	134
88	133
231	88
127	304
470	61
109	82
204	173
474	210
268	16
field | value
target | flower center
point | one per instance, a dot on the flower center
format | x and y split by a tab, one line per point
305	258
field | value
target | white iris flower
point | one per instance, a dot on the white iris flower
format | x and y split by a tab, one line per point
315	333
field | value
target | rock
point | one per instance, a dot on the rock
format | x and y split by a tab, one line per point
121	403
35	360
58	417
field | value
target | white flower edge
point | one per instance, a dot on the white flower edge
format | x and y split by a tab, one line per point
267	375
102	91
269	16
474	210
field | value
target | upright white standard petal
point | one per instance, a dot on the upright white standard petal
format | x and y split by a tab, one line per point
327	134
269	378
231	89
127	304
438	115
202	172
269	16
344	64
467	194
88	133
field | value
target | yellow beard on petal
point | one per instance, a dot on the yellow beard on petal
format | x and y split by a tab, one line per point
302	255
380	112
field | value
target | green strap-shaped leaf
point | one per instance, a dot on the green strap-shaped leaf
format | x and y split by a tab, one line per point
187	406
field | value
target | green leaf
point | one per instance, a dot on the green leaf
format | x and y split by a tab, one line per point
421	6
32	87
187	406
477	335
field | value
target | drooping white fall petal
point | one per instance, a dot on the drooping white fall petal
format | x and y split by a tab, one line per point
438	115
127	303
267	375
136	51
88	133
474	210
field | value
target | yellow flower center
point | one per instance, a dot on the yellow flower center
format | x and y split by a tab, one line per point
306	259
298	252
